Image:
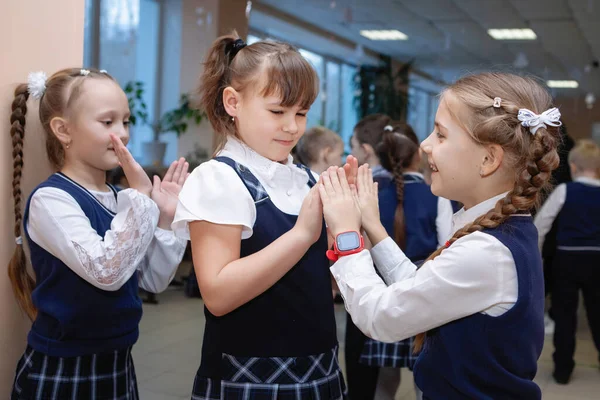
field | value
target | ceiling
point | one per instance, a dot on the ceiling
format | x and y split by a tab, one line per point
447	38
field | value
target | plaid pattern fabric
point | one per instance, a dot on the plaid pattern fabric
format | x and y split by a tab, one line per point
94	377
257	191
294	378
396	355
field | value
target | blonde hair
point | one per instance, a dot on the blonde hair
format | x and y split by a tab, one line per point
586	155
533	157
62	90
288	73
315	139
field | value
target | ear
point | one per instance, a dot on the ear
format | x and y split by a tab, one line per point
492	159
231	100
574	169
367	148
323	153
59	127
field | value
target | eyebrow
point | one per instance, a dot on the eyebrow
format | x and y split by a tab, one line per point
440	125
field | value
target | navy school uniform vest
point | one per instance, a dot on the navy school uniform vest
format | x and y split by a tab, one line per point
420	213
579	219
74	317
294	317
485	357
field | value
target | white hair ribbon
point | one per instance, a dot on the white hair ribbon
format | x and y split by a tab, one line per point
533	121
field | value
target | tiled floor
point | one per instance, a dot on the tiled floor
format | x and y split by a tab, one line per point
168	354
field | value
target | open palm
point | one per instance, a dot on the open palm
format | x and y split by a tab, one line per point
165	193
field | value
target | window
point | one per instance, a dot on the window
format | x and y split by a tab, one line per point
349	117
423	102
122	37
315	115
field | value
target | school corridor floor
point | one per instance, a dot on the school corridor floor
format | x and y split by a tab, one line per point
168	353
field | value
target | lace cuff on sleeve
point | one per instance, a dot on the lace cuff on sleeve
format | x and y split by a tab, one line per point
114	260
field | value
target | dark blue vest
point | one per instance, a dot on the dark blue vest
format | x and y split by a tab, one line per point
75	318
294	317
579	218
485	357
420	212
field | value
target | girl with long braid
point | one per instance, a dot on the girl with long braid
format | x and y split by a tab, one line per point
479	298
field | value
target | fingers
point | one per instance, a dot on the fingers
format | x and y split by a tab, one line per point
184	172
335	180
170	172
155	184
179	170
348	170
124	156
323	193
353	162
361	180
343	182
327	182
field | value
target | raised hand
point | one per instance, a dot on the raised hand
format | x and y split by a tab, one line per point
368	198
310	219
340	207
135	174
165	193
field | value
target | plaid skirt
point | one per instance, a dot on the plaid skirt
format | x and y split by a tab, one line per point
293	378
106	376
395	355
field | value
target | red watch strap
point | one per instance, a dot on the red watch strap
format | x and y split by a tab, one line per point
334	254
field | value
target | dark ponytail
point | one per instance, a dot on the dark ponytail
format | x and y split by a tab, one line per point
396	152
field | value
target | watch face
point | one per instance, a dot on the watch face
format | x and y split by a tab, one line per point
348	241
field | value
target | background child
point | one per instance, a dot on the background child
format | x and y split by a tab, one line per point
480	298
257	232
575	209
89	244
418	221
319	149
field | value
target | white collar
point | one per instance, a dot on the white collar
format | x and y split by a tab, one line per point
417	174
464	217
272	172
588	181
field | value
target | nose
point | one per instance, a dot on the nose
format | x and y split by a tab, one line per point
426	146
122	133
290	125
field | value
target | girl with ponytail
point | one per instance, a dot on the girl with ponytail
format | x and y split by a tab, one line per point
256	226
477	303
417	220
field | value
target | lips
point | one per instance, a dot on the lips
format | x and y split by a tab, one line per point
285	142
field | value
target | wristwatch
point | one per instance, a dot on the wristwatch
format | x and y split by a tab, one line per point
346	243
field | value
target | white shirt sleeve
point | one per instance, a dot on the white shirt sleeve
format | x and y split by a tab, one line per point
163	257
547	214
58	224
391	262
476	274
215	193
443	221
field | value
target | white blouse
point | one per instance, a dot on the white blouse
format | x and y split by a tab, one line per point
58	224
551	208
477	274
215	193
